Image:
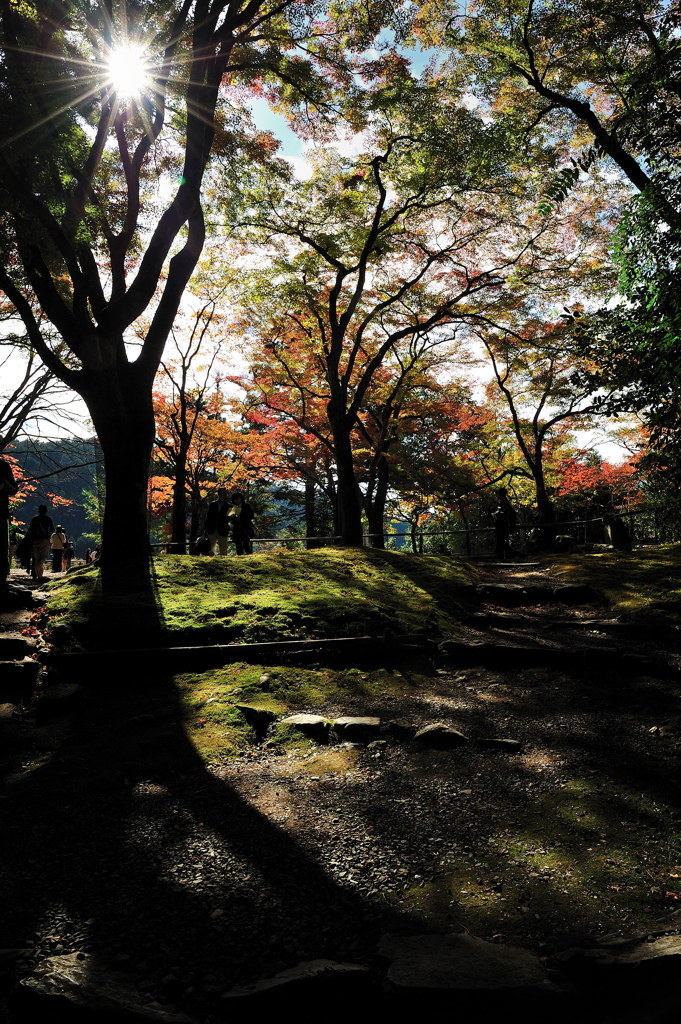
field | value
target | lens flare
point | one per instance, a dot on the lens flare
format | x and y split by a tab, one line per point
128	71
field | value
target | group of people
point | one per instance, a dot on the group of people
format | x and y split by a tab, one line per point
41	539
227	518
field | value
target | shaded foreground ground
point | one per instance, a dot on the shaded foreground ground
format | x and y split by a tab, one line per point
193	873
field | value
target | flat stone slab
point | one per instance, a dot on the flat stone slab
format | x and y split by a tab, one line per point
314	726
356	730
439	736
461	964
18	680
75	984
313	978
13	645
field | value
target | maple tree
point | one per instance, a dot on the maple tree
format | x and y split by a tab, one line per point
91	154
587	82
369	254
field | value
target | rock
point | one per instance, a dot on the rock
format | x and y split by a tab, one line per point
15	646
260	719
6	712
74	987
314	726
401	731
422	965
15	599
577	594
660	957
18	680
356	730
312	978
510	746
440	737
58	700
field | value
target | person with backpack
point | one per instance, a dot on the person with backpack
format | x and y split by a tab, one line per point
40	530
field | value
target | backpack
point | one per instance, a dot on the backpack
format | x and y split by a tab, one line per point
41	528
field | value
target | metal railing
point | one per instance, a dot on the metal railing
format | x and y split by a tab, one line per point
476	540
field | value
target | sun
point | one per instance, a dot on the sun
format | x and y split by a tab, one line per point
129	72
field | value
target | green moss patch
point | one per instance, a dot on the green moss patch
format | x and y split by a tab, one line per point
643	583
218	729
269	597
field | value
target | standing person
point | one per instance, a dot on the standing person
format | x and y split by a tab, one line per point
8	487
68	554
58	542
504	519
242	524
217	522
40	530
15	537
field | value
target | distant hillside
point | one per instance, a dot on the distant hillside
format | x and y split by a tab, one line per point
66	469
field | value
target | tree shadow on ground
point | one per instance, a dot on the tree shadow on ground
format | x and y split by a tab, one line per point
120	842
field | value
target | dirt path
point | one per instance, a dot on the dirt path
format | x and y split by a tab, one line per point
190	878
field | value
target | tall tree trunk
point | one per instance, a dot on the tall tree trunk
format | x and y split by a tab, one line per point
375	506
310	516
348	496
195	518
123	416
178	520
545	508
466	526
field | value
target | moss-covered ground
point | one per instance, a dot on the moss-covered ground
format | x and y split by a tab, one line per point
278	596
644	583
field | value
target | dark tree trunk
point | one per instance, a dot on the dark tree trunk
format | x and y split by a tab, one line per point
375	505
310	515
196	518
348	496
123	417
178	520
545	509
466	526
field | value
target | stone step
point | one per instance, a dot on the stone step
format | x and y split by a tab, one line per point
18	680
513	595
496	654
14	645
